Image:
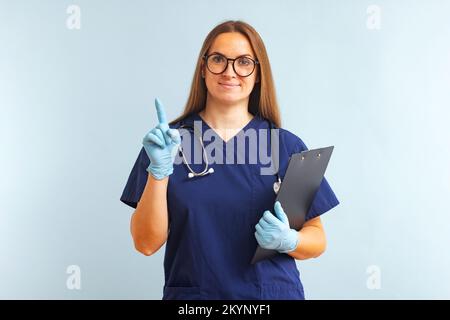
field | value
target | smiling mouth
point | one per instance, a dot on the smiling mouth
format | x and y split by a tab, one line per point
229	85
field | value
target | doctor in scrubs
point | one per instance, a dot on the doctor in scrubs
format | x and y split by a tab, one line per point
212	224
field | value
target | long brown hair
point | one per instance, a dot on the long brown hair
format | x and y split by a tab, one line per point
262	99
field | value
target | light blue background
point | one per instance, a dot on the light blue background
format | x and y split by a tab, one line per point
75	105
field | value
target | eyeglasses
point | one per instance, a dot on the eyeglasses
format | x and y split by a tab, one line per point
217	63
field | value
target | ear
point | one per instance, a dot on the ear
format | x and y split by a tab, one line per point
202	69
258	79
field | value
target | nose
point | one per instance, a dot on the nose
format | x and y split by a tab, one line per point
229	71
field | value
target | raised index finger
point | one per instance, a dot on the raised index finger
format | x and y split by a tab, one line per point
160	111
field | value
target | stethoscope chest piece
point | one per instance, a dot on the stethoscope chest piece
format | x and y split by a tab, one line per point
276	186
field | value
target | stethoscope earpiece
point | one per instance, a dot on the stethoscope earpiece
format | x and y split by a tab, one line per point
210	170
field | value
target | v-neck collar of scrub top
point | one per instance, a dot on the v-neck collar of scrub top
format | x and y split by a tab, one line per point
205	126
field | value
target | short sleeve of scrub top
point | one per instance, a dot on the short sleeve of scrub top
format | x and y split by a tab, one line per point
325	199
212	223
138	178
136	181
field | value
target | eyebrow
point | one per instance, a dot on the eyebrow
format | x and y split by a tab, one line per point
242	55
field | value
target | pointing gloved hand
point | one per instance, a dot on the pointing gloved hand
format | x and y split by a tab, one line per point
275	233
161	145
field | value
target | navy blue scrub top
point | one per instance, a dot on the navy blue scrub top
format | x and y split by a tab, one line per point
212	223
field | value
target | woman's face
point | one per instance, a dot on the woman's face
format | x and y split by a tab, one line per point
229	87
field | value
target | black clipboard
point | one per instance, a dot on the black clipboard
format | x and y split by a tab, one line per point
302	180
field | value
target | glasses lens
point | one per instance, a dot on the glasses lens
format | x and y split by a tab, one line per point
217	63
244	66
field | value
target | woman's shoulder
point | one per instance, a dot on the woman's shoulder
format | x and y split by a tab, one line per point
289	141
186	120
292	142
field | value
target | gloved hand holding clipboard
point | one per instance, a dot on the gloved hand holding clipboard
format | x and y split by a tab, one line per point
302	180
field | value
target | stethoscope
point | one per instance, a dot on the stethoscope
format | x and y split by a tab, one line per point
192	173
207	170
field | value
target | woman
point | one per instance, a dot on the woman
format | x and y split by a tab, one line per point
212	223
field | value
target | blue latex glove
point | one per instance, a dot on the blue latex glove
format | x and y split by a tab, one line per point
161	145
274	233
